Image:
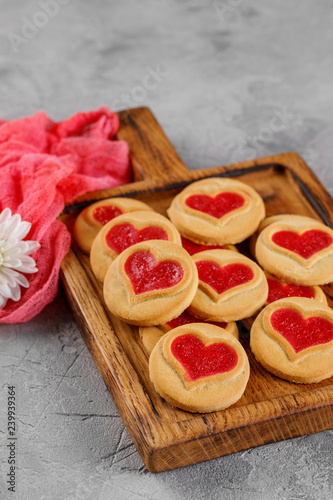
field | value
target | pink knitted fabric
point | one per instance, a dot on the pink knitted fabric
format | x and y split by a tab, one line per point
44	165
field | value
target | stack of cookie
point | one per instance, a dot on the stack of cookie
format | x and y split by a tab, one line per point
293	336
184	284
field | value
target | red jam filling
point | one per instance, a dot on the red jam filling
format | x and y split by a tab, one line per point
223	278
305	244
217	206
201	361
278	290
146	274
299	332
125	235
193	248
186	318
104	214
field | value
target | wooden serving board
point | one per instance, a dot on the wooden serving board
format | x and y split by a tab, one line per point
271	409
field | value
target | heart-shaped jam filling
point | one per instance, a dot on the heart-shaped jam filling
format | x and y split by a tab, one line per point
186	318
125	235
104	214
146	274
193	248
216	206
278	290
201	361
305	244
299	332
223	278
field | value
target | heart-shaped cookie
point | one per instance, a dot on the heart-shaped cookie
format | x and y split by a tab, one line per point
150	283
199	367
185	319
293	339
301	333
279	290
200	360
231	286
105	213
192	248
93	218
150	335
221	279
122	236
296	249
305	244
146	274
216	206
217	211
125	231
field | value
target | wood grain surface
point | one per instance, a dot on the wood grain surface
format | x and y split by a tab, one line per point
271	409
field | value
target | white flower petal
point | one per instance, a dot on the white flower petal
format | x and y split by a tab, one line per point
32	246
10	287
10	226
5	214
14	256
9	276
3	301
22	230
28	269
13	277
5	289
11	262
22	280
28	265
15	248
11	245
16	293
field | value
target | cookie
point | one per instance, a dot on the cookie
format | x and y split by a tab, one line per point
192	248
150	283
217	211
231	286
293	339
278	289
292	218
298	250
127	230
150	335
270	220
93	218
186	318
199	368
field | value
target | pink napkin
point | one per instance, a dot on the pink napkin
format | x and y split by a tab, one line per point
44	165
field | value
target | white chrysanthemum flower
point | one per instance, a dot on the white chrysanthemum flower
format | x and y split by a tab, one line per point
14	256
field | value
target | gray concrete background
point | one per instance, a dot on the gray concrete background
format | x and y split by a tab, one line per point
235	80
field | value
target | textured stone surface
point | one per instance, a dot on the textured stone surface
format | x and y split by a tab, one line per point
229	80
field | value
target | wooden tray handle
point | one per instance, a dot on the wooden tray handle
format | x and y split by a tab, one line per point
152	155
